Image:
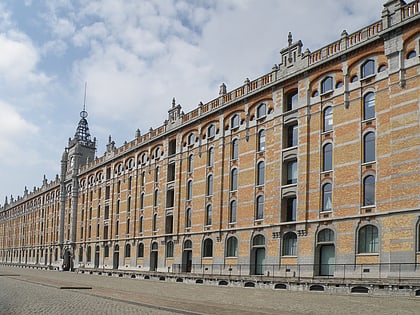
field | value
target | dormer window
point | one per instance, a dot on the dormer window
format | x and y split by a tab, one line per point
368	68
261	111
234	121
327	85
191	139
211	131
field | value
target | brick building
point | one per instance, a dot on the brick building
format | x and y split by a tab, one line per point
308	169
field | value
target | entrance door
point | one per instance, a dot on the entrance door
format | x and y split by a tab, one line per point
116	258
66	260
187	260
327	260
154	257
259	261
96	261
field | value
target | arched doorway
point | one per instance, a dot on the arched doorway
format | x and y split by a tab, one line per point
154	257
326	253
116	257
187	256
258	255
96	260
66	260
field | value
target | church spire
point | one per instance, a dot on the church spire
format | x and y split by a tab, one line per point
82	134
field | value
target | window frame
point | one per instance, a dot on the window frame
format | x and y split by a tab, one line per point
369	190
234	179
260	173
235	149
327	157
207	248
261	111
209	215
326	197
259	205
367	69
368	239
261	140
327	85
211	131
232	247
369	147
170	249
327	115
234	121
369	106
233	207
289	247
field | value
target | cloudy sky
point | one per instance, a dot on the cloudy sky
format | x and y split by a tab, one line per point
136	55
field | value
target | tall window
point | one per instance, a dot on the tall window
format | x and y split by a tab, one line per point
188	218
232	211
156	198
261	140
128	226
209	214
260	173
232	247
211	131
140	250
141	225
210	157
143	178
127	250
292	136
234	121
328	118
234	179
289	244
291	209
292	100
368	68
170	249
157	174
142	201
155	217
369	147
191	139
327	157
128	204
260	208
369	106
117	207
88	254
190	163
327	197
326	236
369	190
235	147
209	185
261	110
327	85
292	172
208	247
368	239
189	190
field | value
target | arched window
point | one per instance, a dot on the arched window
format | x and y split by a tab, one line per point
327	85
411	54
234	179
368	239
88	254
235	147
189	190
157	153
259	240
155	217
188	218
142	201
260	207
326	236
209	185
208	247
260	173
127	250
211	131
187	244
156	198
190	163
143	158
368	68
232	247
170	249
157	174
292	100
369	106
328	119
261	110
327	197
289	244
191	139
143	178
369	147
210	157
141	225
327	157
369	190
232	211
261	140
140	250
234	121
209	213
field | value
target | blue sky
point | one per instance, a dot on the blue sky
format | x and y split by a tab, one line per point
136	55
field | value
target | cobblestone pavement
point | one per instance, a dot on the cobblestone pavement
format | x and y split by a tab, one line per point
29	291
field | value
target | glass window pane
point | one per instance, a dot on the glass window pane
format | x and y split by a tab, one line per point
292	172
369	191
328	119
327	197
369	147
327	161
369	106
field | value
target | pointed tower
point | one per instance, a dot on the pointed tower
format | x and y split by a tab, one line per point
80	151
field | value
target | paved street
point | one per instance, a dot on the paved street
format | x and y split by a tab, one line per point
29	291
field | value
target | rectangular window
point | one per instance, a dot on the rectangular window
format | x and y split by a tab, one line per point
292	136
291	209
292	172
